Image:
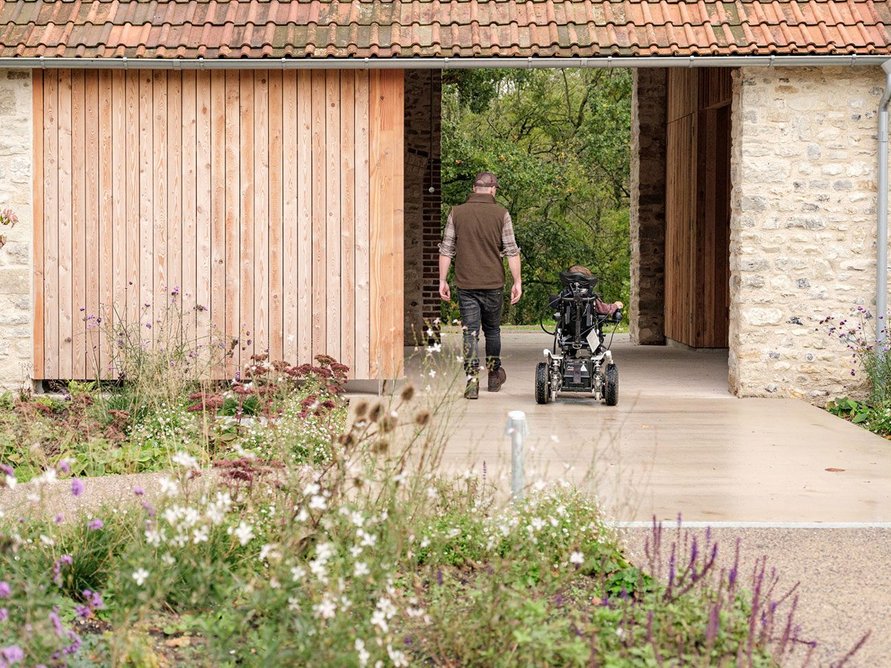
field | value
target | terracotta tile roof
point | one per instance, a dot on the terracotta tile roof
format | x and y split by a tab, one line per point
440	28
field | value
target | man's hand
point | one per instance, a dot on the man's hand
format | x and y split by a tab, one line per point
515	293
445	293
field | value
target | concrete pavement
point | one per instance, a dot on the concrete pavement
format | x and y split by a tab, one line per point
677	443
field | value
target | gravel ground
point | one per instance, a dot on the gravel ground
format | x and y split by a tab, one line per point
843	576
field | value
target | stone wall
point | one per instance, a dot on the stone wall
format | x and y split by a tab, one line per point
803	222
15	256
648	107
423	91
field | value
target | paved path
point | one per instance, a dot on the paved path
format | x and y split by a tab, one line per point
678	442
793	483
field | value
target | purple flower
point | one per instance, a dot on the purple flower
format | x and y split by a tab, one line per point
12	654
4	614
93	599
95	524
59	518
77	487
138	491
57	623
65	560
5	590
7	469
65	466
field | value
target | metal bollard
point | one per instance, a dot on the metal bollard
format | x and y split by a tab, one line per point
517	430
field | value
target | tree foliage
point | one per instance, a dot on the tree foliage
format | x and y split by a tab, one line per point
559	142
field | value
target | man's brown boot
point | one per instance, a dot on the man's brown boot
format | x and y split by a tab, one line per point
472	391
497	378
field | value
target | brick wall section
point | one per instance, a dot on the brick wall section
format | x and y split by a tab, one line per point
648	206
803	223
423	91
15	257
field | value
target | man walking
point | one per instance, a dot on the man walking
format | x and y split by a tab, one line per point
478	234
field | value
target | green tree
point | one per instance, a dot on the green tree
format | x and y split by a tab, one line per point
559	142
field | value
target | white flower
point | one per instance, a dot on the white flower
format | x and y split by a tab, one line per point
185	460
168	559
11	482
46	540
48	477
435	348
302	516
432	373
153	537
297	573
311	489
317	503
269	552
326	608
361	569
244	533
200	535
397	657
168	487
577	558
140	575
357	518
362	652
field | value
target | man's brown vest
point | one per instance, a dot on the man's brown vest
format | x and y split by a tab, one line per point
478	225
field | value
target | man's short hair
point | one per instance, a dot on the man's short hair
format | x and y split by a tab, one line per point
485	180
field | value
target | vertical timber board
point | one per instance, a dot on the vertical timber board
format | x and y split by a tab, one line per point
38	253
319	264
305	178
190	203
66	222
260	317
78	223
89	350
50	166
159	260
274	233
362	329
132	168
218	215
244	332
232	190
117	307
386	223
333	267
290	222
348	220
176	244
146	244
107	195
200	272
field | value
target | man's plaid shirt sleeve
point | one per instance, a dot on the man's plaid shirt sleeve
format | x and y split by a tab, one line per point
508	242
447	246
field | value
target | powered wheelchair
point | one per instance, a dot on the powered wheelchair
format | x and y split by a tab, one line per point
579	361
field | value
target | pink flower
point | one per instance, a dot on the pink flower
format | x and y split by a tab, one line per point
77	487
95	524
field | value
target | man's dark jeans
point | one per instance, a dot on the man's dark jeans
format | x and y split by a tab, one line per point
481	307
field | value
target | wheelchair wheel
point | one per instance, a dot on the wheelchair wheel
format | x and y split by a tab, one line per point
542	383
611	391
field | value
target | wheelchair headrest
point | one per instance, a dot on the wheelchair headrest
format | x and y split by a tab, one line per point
570	278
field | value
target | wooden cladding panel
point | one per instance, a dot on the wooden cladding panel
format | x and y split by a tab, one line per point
697	240
268	203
